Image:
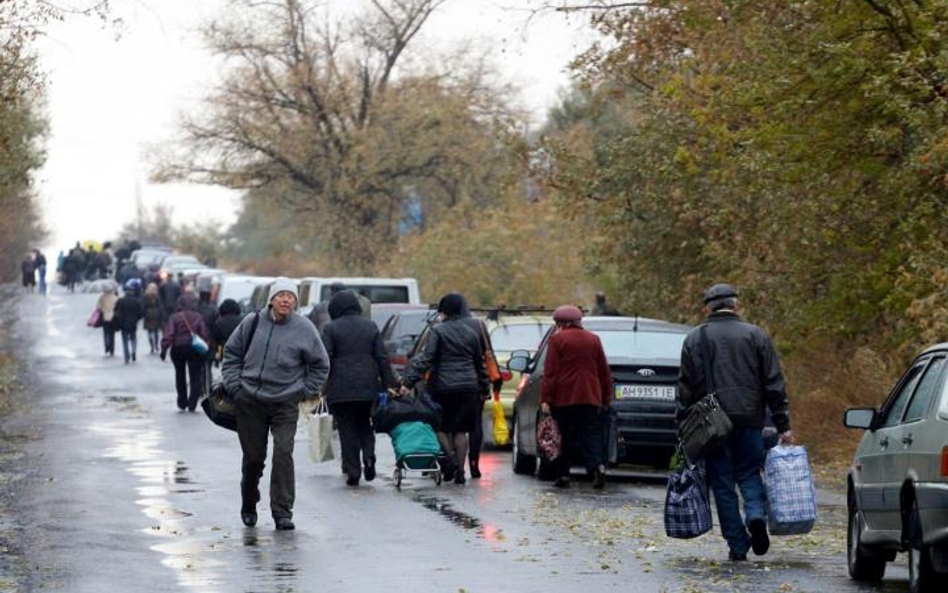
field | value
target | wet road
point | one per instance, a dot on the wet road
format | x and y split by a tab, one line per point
126	493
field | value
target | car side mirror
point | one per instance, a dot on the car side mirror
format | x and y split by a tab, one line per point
863	418
519	361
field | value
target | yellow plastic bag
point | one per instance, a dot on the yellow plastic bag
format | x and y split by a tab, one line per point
501	432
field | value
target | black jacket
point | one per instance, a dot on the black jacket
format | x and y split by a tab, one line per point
128	311
746	371
358	364
224	326
210	315
454	356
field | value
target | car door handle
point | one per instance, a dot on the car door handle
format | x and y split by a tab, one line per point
907	439
884	442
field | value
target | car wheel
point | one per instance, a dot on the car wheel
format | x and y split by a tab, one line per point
922	575
863	564
522	464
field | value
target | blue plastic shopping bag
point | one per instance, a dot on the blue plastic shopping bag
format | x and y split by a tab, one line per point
791	495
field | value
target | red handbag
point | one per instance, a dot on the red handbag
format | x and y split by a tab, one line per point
549	440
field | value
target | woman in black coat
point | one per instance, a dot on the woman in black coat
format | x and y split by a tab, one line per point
455	356
359	371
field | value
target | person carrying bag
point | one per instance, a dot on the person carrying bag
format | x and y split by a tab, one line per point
729	374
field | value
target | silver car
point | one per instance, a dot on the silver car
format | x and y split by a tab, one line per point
898	483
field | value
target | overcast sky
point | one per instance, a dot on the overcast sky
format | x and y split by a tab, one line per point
111	97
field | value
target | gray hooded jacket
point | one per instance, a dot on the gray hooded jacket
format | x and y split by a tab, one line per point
285	361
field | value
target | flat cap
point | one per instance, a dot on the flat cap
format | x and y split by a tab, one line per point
719	291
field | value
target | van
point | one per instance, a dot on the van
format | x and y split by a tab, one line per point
314	290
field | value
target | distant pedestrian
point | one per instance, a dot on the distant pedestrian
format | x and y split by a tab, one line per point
210	314
359	371
746	375
154	317
603	308
169	291
268	373
39	262
183	324
27	266
458	380
229	317
320	313
106	307
577	383
129	310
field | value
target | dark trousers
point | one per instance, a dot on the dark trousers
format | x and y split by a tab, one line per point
108	336
476	438
186	360
738	463
129	343
355	435
580	429
255	421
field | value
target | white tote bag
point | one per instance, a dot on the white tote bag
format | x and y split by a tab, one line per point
319	426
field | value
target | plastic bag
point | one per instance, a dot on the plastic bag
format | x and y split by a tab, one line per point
687	503
791	495
319	427
95	319
501	431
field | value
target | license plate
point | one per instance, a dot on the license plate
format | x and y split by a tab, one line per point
653	392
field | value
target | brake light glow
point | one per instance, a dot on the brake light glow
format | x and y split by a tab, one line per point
506	376
399	360
944	462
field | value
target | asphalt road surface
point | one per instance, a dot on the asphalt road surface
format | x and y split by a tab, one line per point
116	490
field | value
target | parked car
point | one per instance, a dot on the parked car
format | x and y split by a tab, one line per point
236	286
173	264
383	312
644	356
314	290
514	329
401	331
897	488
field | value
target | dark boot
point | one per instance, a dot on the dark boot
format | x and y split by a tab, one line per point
475	470
369	469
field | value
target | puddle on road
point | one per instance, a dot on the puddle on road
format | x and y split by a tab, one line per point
485	531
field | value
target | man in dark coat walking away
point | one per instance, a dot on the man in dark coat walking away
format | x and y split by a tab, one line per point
746	375
360	371
228	319
577	383
170	291
272	361
128	311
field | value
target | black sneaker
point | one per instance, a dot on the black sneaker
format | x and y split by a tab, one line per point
350	481
459	477
737	557
369	471
249	518
760	541
475	470
284	524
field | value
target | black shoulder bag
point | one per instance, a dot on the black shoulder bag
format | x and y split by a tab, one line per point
706	425
219	405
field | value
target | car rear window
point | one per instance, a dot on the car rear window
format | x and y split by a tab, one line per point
376	294
518	336
640	344
410	323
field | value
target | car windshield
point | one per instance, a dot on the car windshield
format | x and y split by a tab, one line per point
640	344
181	261
518	336
375	293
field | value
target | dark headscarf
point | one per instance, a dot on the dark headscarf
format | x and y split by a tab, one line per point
229	307
452	305
344	303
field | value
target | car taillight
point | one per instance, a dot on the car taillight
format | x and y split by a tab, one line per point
944	461
506	376
399	360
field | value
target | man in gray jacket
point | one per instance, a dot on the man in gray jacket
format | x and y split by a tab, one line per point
746	376
272	361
